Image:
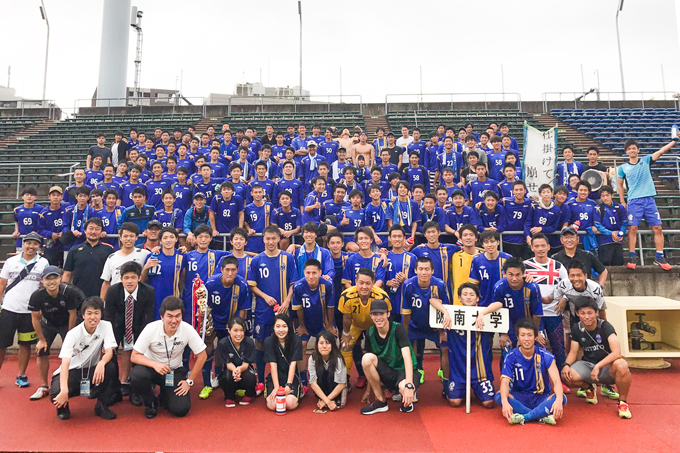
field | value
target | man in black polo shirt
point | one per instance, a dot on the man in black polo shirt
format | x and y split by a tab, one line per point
394	150
53	309
85	263
571	252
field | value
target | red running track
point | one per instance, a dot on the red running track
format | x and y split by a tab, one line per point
432	427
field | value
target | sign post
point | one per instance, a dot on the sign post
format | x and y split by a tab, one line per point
464	317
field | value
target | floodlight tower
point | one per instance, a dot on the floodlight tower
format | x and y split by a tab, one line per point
618	41
136	23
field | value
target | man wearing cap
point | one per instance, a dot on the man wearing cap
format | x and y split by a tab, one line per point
389	360
50	226
197	215
85	263
19	278
571	252
53	312
151	233
139	213
310	163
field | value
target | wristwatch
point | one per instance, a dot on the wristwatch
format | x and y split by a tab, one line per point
410	386
190	382
289	384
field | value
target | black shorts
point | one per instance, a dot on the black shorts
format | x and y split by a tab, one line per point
296	391
611	254
50	333
11	323
391	377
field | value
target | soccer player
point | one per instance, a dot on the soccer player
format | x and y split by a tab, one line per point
405	212
611	221
156	186
26	216
95	175
312	205
287	218
352	219
165	270
376	213
415	173
139	213
386	167
314	305
496	159
461	261
257	218
75	217
486	268
364	258
505	186
448	157
568	167
228	296
601	362
460	214
272	274
534	376
127	188
226	210
420	292
355	305
641	204
291	184
481	371
582	216
310	163
439	253
400	267
389	360
50	223
432	213
338	164
517	210
169	215
544	216
476	190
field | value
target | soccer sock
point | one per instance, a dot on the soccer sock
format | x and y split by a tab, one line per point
543	409
259	361
659	255
304	377
632	254
357	354
207	367
420	352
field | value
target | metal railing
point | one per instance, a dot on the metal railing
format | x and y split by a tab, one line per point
18	166
29	104
142	102
418	98
579	98
270	101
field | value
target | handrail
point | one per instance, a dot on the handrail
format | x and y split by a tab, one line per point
71	166
297	100
419	98
23	104
174	101
628	96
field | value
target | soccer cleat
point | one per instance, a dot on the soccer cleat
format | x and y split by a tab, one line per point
375	407
565	389
591	394
41	393
229	403
259	388
662	263
205	393
422	376
624	410
22	381
581	393
609	391
632	263
547	420
440	373
246	401
517	419
361	382
305	389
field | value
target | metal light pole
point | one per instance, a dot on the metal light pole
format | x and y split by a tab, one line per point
136	23
43	13
300	13
597	72
618	41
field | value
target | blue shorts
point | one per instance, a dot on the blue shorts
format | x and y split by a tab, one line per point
530	400
432	335
643	208
262	330
483	390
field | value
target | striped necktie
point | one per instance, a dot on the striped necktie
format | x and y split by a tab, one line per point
129	305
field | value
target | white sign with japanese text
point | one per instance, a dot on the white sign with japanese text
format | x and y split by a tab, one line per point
464	317
539	163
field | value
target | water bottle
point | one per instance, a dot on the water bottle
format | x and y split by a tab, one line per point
620	234
281	401
156	270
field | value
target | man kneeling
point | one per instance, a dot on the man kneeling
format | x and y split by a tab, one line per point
86	372
601	362
157	356
533	374
389	359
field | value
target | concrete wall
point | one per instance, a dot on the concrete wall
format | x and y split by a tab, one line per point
644	281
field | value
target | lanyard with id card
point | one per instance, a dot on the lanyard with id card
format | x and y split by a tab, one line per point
85	380
170	375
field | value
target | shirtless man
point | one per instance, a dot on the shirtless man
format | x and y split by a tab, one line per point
363	149
346	141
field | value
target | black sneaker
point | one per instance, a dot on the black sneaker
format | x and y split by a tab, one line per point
64	413
151	411
375	407
125	389
104	412
136	400
406	409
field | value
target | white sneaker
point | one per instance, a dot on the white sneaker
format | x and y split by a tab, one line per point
41	393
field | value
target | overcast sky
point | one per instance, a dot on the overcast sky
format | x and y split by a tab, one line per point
380	46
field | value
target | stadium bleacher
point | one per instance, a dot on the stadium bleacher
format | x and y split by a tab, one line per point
10	125
279	121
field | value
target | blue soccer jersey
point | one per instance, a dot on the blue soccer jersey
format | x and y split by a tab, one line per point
287	221
125	192
521	303
243	266
226	302
564	170
476	189
273	276
165	278
517	215
417	175
608	219
314	303
376	216
582	213
467	215
51	221
172	219
416	302
183	196
110	221
201	265
335	209
404	262
27	219
486	273
438	215
491	219
322	255
257	218
356	219
227	212
441	258
481	356
404	213
529	376
638	177
496	164
356	262
154	192
339	266
313	215
548	219
294	186
329	150
93	177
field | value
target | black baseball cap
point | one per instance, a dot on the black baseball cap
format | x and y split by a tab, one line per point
379	306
